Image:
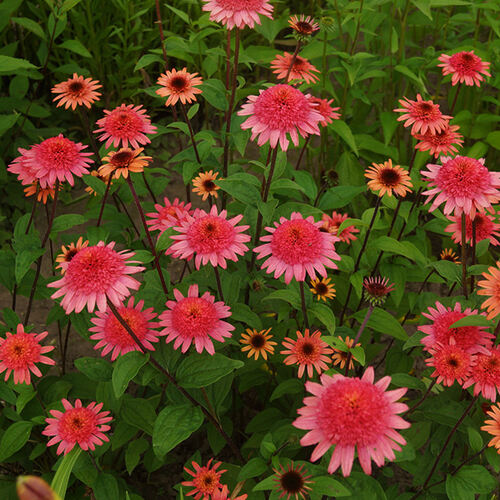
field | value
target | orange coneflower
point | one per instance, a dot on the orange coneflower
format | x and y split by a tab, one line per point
69	252
387	178
42	194
204	184
303	25
340	357
490	287
257	342
323	289
179	85
122	162
493	426
449	254
76	91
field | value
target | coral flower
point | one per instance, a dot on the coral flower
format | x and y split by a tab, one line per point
124	125
278	111
464	67
332	224
82	425
105	179
21	166
486	374
386	178
233	13
122	162
42	194
294	481
224	494
76	91
196	320
169	214
296	247
20	351
451	363
469	338
323	289
69	252
439	143
205	186
449	254
303	25
179	85
114	337
493	426
491	288
57	158
302	69
486	228
377	289
94	275
206	480
464	184
422	115
351	413
257	342
340	357
210	237
324	107
308	351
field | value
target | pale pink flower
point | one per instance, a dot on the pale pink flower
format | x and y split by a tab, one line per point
239	13
21	166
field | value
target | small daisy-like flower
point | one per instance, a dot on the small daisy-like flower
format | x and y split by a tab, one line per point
19	353
302	69
196	320
293	482
308	351
257	342
486	228
82	425
114	337
386	178
451	363
105	179
69	252
324	107
42	194
464	184
377	289
94	275
323	289
124	125
493	426
449	254
210	237
34	488
122	162
303	25
58	158
179	85
279	111
206	480
440	143
224	494
422	115
485	375
491	288
76	91
296	247
352	414
233	13
464	67
21	166
205	186
340	357
470	338
169	214
332	223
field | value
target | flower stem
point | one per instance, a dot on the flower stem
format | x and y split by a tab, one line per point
104	198
304	308
65	347
358	24
358	336
219	284
191	134
160	29
464	259
148	187
422	399
455	98
473	262
33	209
292	62
86	125
302	151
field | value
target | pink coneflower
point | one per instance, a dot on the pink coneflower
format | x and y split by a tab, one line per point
224	494
302	69
179	85
206	480
296	247
69	252
113	336
486	228
464	184
125	124
303	25
278	111
21	166
57	158
196	320
332	223
469	338
485	375
451	363
352	413
464	67
94	275
210	237
324	107
422	115
440	143
169	214
233	13
490	287
82	425
308	351
293	482
377	289
20	351
76	91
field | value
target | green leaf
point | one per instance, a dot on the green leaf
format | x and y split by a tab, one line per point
412	76
449	270
7	122
60	482
146	60
96	369
200	370
243	313
389	123
125	369
105	487
77	47
24	259
133	454
139	413
423	6
404	248
358	353
290	296
383	322
290	386
14	438
326	485
95	183
253	468
342	129
475	439
173	426
10	65
325	315
473	320
493	139
180	13
30	25
240	190
67	221
214	93
469	481
339	196
68	5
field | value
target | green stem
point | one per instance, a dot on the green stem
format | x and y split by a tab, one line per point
464	259
358	336
304	308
